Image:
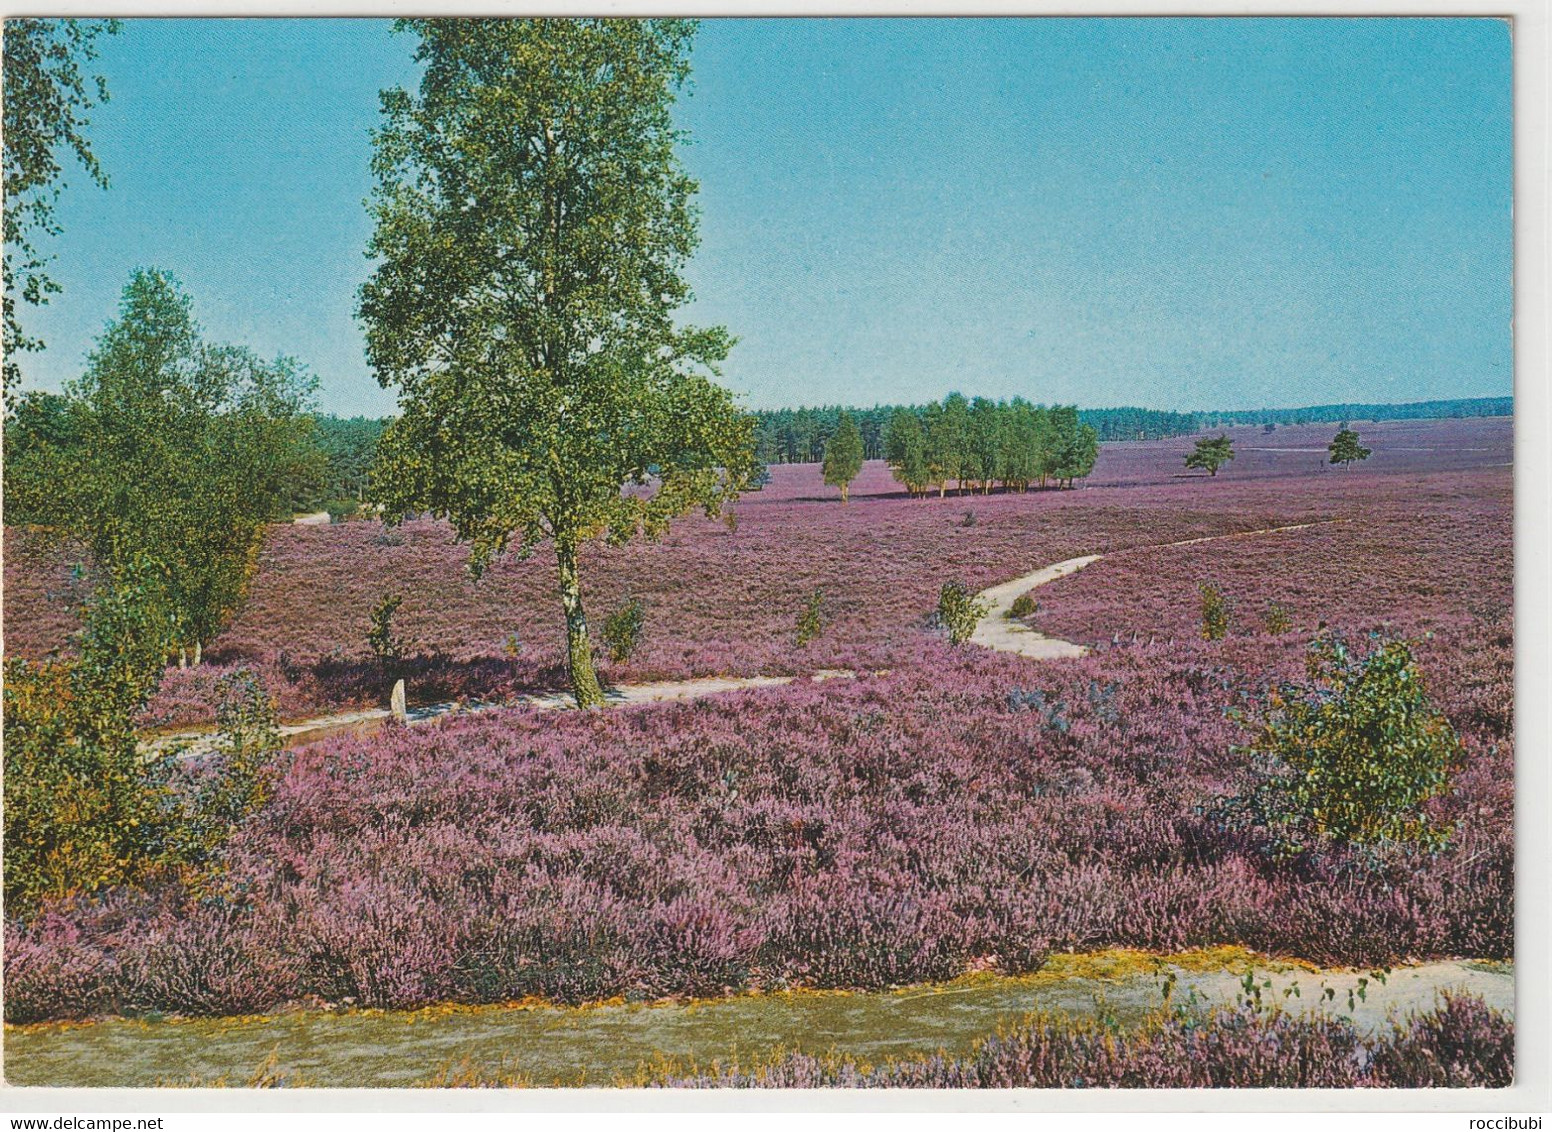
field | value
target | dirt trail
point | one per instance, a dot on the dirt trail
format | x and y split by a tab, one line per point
999	630
996	630
597	1045
198	743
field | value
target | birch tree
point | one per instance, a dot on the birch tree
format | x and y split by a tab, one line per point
532	225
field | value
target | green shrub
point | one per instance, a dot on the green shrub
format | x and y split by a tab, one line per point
1279	618
1215	613
811	619
86	808
622	629
1353	756
1024	605
341	509
388	647
958	612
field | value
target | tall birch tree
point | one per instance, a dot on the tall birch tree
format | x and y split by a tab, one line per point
532	226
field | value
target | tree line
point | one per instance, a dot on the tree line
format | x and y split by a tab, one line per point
801	436
982	444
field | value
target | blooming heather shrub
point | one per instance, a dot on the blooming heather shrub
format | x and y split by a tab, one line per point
862	833
958	612
1461	1043
622	630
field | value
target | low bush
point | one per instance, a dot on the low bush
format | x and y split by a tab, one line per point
1023	606
811	619
1215	613
86	808
1355	755
390	649
1279	619
856	833
958	612
623	628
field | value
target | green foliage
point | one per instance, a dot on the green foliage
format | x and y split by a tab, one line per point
341	509
47	98
798	436
1279	618
533	222
958	612
85	807
245	758
1345	449
1211	453
1023	606
1215	613
905	449
347	446
980	444
1353	756
1074	449
623	628
811	618
168	449
388	647
843	455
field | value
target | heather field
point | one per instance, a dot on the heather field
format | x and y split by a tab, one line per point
963	810
725	602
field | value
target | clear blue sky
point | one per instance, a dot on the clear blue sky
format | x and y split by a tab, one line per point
1173	213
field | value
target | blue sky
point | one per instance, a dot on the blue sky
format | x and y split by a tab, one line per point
1173	213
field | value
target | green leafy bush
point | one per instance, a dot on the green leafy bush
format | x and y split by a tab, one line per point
1279	618
388	647
958	611
86	808
341	509
1353	756
1215	613
622	629
811	619
1024	605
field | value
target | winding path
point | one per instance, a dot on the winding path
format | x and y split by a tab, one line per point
999	630
195	744
996	630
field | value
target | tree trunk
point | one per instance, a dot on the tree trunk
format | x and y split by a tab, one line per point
579	652
199	653
844	488
183	657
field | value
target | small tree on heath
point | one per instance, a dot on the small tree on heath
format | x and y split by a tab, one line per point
843	455
1344	448
1211	453
1355	754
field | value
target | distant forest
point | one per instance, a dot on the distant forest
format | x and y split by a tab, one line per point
798	436
793	436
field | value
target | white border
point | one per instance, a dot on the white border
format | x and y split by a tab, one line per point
1532	1092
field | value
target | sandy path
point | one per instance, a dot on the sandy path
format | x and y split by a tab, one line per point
997	630
554	1045
197	743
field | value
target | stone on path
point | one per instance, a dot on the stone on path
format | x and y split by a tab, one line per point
397	705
